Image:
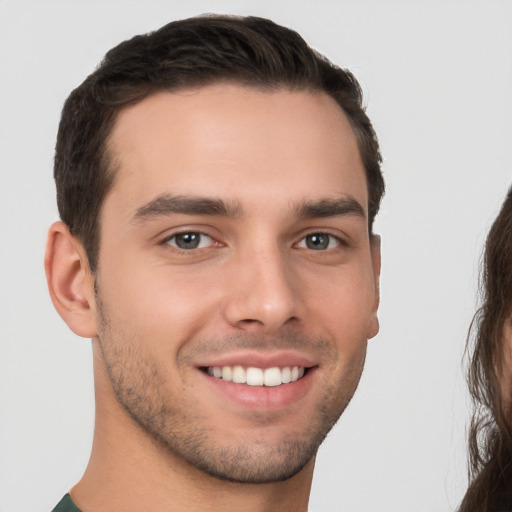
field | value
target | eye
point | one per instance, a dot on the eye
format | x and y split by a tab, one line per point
319	242
190	240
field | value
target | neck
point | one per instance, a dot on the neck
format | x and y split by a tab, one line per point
129	471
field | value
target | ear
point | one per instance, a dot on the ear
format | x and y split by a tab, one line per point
376	259
70	281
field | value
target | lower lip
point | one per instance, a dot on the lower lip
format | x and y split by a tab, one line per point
263	398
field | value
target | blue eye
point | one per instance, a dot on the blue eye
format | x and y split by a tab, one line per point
190	240
319	242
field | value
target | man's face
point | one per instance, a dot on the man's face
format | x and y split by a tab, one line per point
237	285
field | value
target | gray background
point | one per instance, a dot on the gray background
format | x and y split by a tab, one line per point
438	79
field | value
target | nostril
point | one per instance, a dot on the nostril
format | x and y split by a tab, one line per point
250	323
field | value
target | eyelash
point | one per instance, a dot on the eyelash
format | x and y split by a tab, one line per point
331	238
201	235
302	243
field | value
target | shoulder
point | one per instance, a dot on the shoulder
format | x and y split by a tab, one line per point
66	505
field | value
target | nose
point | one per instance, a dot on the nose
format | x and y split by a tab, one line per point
263	292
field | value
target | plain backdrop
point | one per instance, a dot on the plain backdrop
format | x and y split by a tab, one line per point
437	77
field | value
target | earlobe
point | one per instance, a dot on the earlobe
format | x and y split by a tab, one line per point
376	262
70	282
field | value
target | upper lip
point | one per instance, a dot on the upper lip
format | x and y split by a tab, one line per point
259	360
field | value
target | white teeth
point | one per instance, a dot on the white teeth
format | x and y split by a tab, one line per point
239	375
227	373
272	377
253	376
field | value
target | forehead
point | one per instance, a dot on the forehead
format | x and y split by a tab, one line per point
241	143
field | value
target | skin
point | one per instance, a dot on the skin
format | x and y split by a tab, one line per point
506	373
286	167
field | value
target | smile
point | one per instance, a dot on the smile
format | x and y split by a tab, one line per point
253	376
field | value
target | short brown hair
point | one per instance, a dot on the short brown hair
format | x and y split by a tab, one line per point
189	53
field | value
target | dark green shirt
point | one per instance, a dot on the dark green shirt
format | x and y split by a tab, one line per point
66	505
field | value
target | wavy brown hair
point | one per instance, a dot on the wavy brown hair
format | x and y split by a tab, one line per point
490	433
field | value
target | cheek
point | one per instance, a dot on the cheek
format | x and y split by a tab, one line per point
345	304
157	298
506	377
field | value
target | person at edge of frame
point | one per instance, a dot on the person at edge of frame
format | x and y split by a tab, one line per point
489	350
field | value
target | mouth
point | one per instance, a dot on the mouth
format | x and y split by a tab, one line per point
260	382
254	376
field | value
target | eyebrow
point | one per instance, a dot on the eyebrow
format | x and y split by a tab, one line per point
168	204
337	207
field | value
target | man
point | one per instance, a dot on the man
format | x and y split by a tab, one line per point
217	182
